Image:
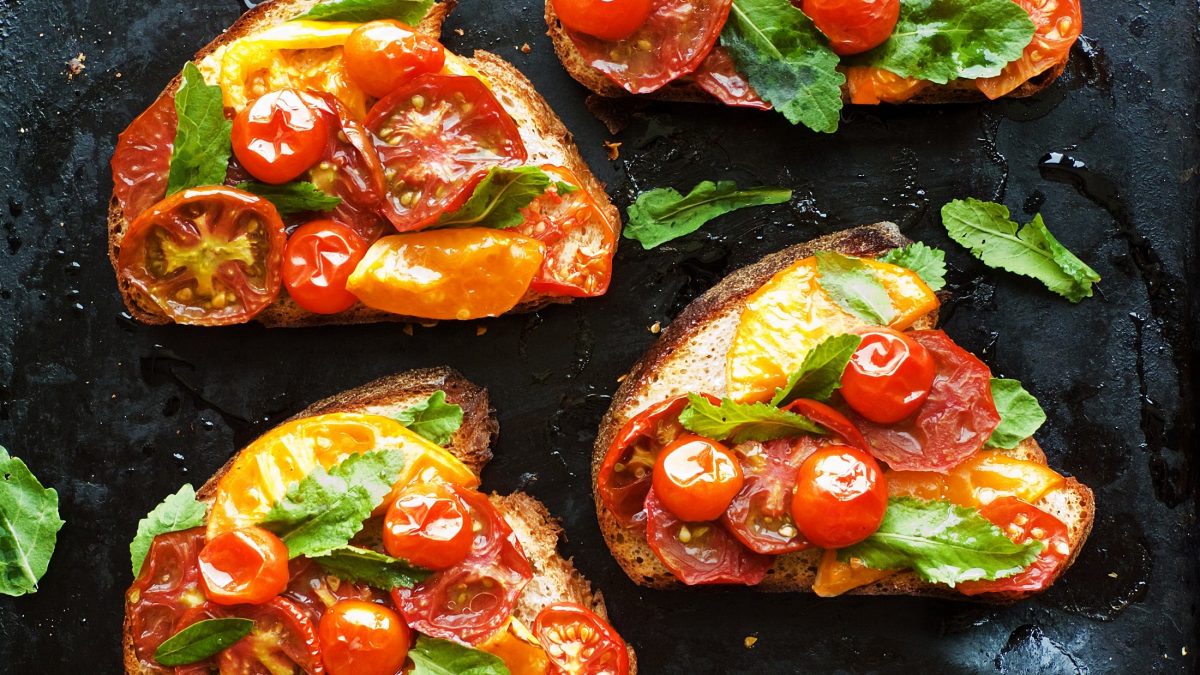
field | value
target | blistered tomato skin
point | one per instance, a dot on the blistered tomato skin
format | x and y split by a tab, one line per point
279	136
363	638
853	26
429	526
245	566
840	497
888	377
381	56
696	478
605	19
318	259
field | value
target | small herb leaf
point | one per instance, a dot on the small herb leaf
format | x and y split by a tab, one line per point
821	371
929	263
406	11
662	214
365	566
29	526
200	154
434	656
1020	414
294	197
854	287
498	199
433	418
179	511
740	422
201	640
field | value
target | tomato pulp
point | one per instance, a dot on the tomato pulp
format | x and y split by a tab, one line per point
579	642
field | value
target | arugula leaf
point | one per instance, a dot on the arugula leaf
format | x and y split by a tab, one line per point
1020	414
662	214
29	526
942	543
929	263
498	199
406	11
820	372
985	228
179	511
434	656
200	154
365	566
201	640
854	287
739	422
324	510
943	40
433	418
294	197
787	61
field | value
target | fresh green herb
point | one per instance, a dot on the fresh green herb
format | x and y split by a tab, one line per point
294	197
986	229
365	566
944	40
200	155
662	214
201	640
179	511
434	656
433	418
29	516
854	287
324	510
1020	414
929	263
942	543
820	372
406	11
787	61
739	422
498	198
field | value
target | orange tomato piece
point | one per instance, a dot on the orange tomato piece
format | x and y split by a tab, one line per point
835	577
872	86
989	475
920	484
518	648
1057	24
791	314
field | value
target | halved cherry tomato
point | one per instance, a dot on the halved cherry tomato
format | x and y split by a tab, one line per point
283	640
141	161
853	26
450	273
696	478
437	137
383	55
279	136
518	648
167	595
363	638
701	553
244	566
579	642
760	516
840	498
605	19
718	75
1057	24
317	261
888	376
831	419
350	169
872	86
208	256
625	475
429	526
1022	522
580	239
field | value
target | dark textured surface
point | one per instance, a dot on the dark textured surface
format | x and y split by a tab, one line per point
116	415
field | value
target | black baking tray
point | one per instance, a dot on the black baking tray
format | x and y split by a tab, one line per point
116	415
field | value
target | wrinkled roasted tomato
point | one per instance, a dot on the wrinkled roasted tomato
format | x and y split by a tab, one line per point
701	553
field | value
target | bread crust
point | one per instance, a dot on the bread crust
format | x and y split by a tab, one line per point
551	144
689	356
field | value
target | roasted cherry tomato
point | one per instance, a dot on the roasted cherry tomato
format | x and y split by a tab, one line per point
1022	522
382	55
579	642
605	19
317	261
831	419
853	26
283	640
350	169
314	590
208	256
279	136
696	478
888	377
701	553
760	516
428	525
718	75
872	86
437	137
363	638
141	161
840	498
1057	24
244	566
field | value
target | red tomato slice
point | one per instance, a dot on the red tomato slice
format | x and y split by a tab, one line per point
718	75
1021	521
437	136
673	42
761	514
350	169
473	599
142	158
701	553
831	419
1057	24
579	642
283	639
951	425
314	591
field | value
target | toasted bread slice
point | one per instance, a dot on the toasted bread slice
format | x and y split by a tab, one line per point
689	357
685	91
545	137
555	578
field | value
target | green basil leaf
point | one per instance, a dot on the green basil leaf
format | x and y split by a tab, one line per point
365	566
941	542
740	422
821	371
929	263
986	229
200	154
787	61
854	287
179	511
498	199
434	656
201	640
1020	414
433	418
410	12
294	197
662	214
29	526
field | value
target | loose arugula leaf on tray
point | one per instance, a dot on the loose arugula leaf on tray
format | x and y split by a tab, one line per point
434	656
498	199
29	526
662	214
294	197
740	422
433	418
179	511
821	371
406	11
929	263
201	640
370	567
1020	414
200	154
854	287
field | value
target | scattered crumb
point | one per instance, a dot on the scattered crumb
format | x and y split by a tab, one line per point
1113	575
656	328
480	330
75	66
459	31
118	74
1183	651
622	378
525	48
749	641
408	329
613	148
428	324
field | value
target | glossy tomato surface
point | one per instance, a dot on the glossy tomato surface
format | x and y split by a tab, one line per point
579	642
696	478
700	553
383	55
1057	24
1022	522
279	136
872	86
244	566
141	161
760	516
428	525
283	640
829	417
318	259
854	26
719	76
363	638
840	497
350	170
605	19
888	377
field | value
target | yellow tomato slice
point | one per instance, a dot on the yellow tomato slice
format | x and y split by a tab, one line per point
990	474
791	314
517	647
262	473
919	484
464	273
835	577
